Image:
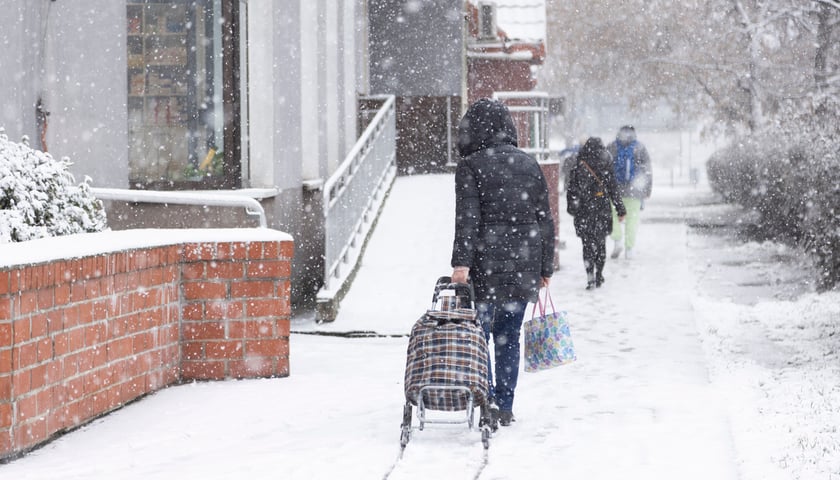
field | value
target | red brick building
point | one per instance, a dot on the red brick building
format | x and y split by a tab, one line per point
496	62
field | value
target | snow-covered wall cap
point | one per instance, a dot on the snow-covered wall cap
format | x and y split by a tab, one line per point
87	244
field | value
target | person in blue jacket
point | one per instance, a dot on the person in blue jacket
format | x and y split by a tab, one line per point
631	165
504	236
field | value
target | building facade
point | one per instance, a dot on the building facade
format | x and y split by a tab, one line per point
261	98
256	96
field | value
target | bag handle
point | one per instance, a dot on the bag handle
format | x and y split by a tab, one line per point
543	303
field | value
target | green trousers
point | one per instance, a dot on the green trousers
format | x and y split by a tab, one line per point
631	222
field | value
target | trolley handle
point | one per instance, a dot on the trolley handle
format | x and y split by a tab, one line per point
464	290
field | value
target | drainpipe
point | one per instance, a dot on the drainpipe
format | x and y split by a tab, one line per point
41	112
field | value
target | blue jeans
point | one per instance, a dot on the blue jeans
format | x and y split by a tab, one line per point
504	321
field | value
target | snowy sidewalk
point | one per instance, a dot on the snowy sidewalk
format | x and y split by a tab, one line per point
637	404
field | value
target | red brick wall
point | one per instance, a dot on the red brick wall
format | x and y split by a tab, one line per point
235	310
81	337
551	171
487	76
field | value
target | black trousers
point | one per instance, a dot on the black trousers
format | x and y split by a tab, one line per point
594	253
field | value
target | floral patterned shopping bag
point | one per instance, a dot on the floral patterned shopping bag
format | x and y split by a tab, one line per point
548	341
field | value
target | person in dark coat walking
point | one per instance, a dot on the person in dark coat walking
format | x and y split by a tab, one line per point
590	189
504	236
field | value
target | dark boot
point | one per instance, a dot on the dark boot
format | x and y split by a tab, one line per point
599	279
590	280
506	418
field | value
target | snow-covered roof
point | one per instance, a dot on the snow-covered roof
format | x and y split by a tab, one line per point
522	19
520	31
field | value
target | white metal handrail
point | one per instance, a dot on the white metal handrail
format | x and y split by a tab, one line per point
536	106
252	206
523	94
356	189
356	154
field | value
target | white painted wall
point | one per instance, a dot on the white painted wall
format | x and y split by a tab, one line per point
87	89
329	47
309	121
19	40
305	59
349	88
332	80
262	98
360	47
83	79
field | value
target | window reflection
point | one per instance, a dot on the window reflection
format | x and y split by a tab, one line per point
175	115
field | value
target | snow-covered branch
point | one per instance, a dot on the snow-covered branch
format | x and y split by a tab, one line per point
830	3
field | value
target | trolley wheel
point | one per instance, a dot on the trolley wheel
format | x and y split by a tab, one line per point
487	419
406	420
405	436
405	428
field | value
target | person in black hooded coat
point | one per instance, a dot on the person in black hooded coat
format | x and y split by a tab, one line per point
590	188
504	235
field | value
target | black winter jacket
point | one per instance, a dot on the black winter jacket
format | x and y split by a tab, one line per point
504	230
587	199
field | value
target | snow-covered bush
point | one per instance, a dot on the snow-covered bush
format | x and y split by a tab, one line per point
822	222
821	128
39	196
732	171
791	176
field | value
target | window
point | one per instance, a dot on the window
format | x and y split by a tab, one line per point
183	94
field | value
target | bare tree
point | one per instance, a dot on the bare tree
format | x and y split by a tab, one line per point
737	61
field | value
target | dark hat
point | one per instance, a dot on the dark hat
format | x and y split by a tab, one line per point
626	135
591	150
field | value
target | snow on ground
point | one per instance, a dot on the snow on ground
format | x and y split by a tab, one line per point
685	370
